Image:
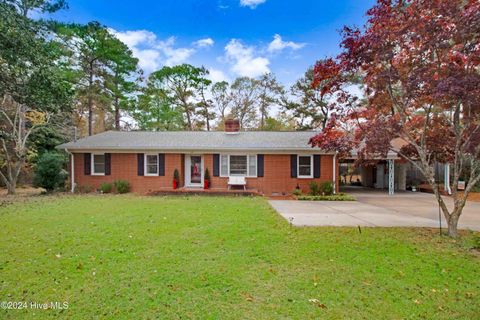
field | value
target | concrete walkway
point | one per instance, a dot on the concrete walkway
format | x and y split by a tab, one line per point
375	209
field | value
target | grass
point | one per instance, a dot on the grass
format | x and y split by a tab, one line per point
129	257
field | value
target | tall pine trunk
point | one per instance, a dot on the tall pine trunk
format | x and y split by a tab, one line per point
117	114
90	100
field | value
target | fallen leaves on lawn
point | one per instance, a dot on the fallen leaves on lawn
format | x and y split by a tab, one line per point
317	303
247	296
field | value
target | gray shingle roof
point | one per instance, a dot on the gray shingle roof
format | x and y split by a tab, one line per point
195	141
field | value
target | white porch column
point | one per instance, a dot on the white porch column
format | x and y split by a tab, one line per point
391	176
447	179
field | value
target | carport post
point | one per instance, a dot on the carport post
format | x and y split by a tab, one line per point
447	179
391	176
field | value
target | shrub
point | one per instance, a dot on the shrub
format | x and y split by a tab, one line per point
176	175
49	172
297	192
106	187
476	243
335	197
84	189
314	188
326	188
122	186
207	175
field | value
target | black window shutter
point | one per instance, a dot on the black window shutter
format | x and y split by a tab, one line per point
293	165
140	159
87	163
260	165
216	165
316	166
108	164
161	164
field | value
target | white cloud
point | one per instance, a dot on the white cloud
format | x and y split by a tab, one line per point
152	52
278	45
244	60
252	4
173	55
216	75
203	43
136	37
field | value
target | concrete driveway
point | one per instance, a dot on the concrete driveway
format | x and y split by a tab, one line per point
375	209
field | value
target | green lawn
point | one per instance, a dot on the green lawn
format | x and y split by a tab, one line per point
130	257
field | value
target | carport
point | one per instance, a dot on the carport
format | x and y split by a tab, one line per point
392	173
380	173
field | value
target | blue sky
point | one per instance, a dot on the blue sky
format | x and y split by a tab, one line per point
230	37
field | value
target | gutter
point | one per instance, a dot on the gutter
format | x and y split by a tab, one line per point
72	171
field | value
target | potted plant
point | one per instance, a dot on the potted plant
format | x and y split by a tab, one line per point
206	179
176	179
415	184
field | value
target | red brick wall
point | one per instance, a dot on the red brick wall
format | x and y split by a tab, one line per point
276	174
276	177
124	166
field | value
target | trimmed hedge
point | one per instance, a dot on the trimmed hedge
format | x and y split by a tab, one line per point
333	197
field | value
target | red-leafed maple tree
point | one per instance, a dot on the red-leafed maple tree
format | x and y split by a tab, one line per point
419	65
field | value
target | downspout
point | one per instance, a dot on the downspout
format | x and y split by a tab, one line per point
72	171
335	173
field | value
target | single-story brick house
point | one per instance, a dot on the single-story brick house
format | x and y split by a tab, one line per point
273	163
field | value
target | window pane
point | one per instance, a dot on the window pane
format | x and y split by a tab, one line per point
304	161
238	165
304	170
152	169
252	165
152	159
223	165
98	163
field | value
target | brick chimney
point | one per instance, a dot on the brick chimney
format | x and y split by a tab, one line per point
232	126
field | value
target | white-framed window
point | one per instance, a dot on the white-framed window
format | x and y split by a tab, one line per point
98	164
305	166
151	164
238	165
